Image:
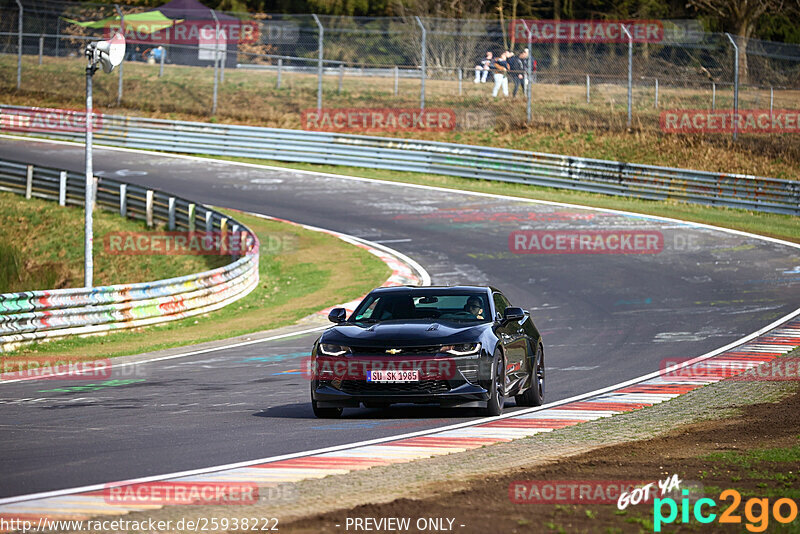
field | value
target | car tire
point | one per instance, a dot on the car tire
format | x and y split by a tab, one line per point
494	406
534	395
326	413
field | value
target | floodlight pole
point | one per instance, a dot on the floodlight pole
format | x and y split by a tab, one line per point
122	30
88	237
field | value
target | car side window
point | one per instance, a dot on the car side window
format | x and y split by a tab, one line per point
500	303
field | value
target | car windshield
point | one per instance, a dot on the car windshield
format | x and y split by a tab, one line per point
404	306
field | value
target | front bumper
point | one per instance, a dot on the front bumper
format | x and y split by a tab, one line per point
351	395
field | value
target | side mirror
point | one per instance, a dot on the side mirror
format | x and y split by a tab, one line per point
337	315
512	313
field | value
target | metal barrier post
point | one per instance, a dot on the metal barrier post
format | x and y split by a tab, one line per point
735	87
171	213
320	52
191	216
29	181
19	46
341	76
209	225
396	79
123	200
122	31
280	67
62	188
424	52
713	96
588	83
655	102
630	74
41	48
163	55
149	208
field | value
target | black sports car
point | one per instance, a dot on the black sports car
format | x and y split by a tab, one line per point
452	346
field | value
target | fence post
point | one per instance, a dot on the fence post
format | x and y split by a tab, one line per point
528	107
149	208
396	77
735	87
320	52
192	214
171	213
460	76
19	46
280	67
423	73
713	96
209	225
341	76
771	100
58	36
163	55
62	188
29	181
655	103
630	74
41	48
216	61
588	84
122	29
123	200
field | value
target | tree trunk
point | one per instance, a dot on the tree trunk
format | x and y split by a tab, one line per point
745	29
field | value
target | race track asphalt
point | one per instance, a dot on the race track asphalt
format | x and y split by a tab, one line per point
605	318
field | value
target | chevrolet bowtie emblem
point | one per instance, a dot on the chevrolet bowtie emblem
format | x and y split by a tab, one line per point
394	351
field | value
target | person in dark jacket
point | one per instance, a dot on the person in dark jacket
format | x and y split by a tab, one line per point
516	71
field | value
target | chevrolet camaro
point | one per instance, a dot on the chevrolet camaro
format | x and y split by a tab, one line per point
452	346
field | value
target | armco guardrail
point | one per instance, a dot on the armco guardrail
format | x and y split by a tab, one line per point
34	315
565	172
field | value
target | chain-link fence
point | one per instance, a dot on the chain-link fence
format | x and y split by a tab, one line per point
266	69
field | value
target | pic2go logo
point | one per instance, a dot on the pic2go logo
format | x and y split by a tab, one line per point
756	511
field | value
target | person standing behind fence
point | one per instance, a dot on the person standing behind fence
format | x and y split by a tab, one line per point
499	73
482	68
515	72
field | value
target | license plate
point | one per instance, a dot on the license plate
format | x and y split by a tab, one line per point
393	376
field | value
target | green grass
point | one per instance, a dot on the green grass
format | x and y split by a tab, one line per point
774	225
314	271
41	247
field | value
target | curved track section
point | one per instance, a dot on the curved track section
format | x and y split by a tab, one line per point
606	318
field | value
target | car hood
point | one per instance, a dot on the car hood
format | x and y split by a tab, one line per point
405	333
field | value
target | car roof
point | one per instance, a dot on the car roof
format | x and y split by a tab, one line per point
437	289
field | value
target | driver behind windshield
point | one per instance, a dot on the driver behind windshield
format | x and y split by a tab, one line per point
475	307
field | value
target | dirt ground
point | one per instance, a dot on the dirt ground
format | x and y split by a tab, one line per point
717	454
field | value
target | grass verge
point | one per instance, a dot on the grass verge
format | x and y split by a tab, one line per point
306	272
562	122
769	224
41	247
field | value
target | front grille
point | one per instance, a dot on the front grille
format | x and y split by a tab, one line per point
421	387
405	351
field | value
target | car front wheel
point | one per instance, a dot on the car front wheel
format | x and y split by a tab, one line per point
497	398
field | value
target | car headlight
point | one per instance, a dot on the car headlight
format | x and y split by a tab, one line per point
462	349
333	350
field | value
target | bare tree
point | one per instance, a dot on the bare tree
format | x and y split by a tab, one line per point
741	16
